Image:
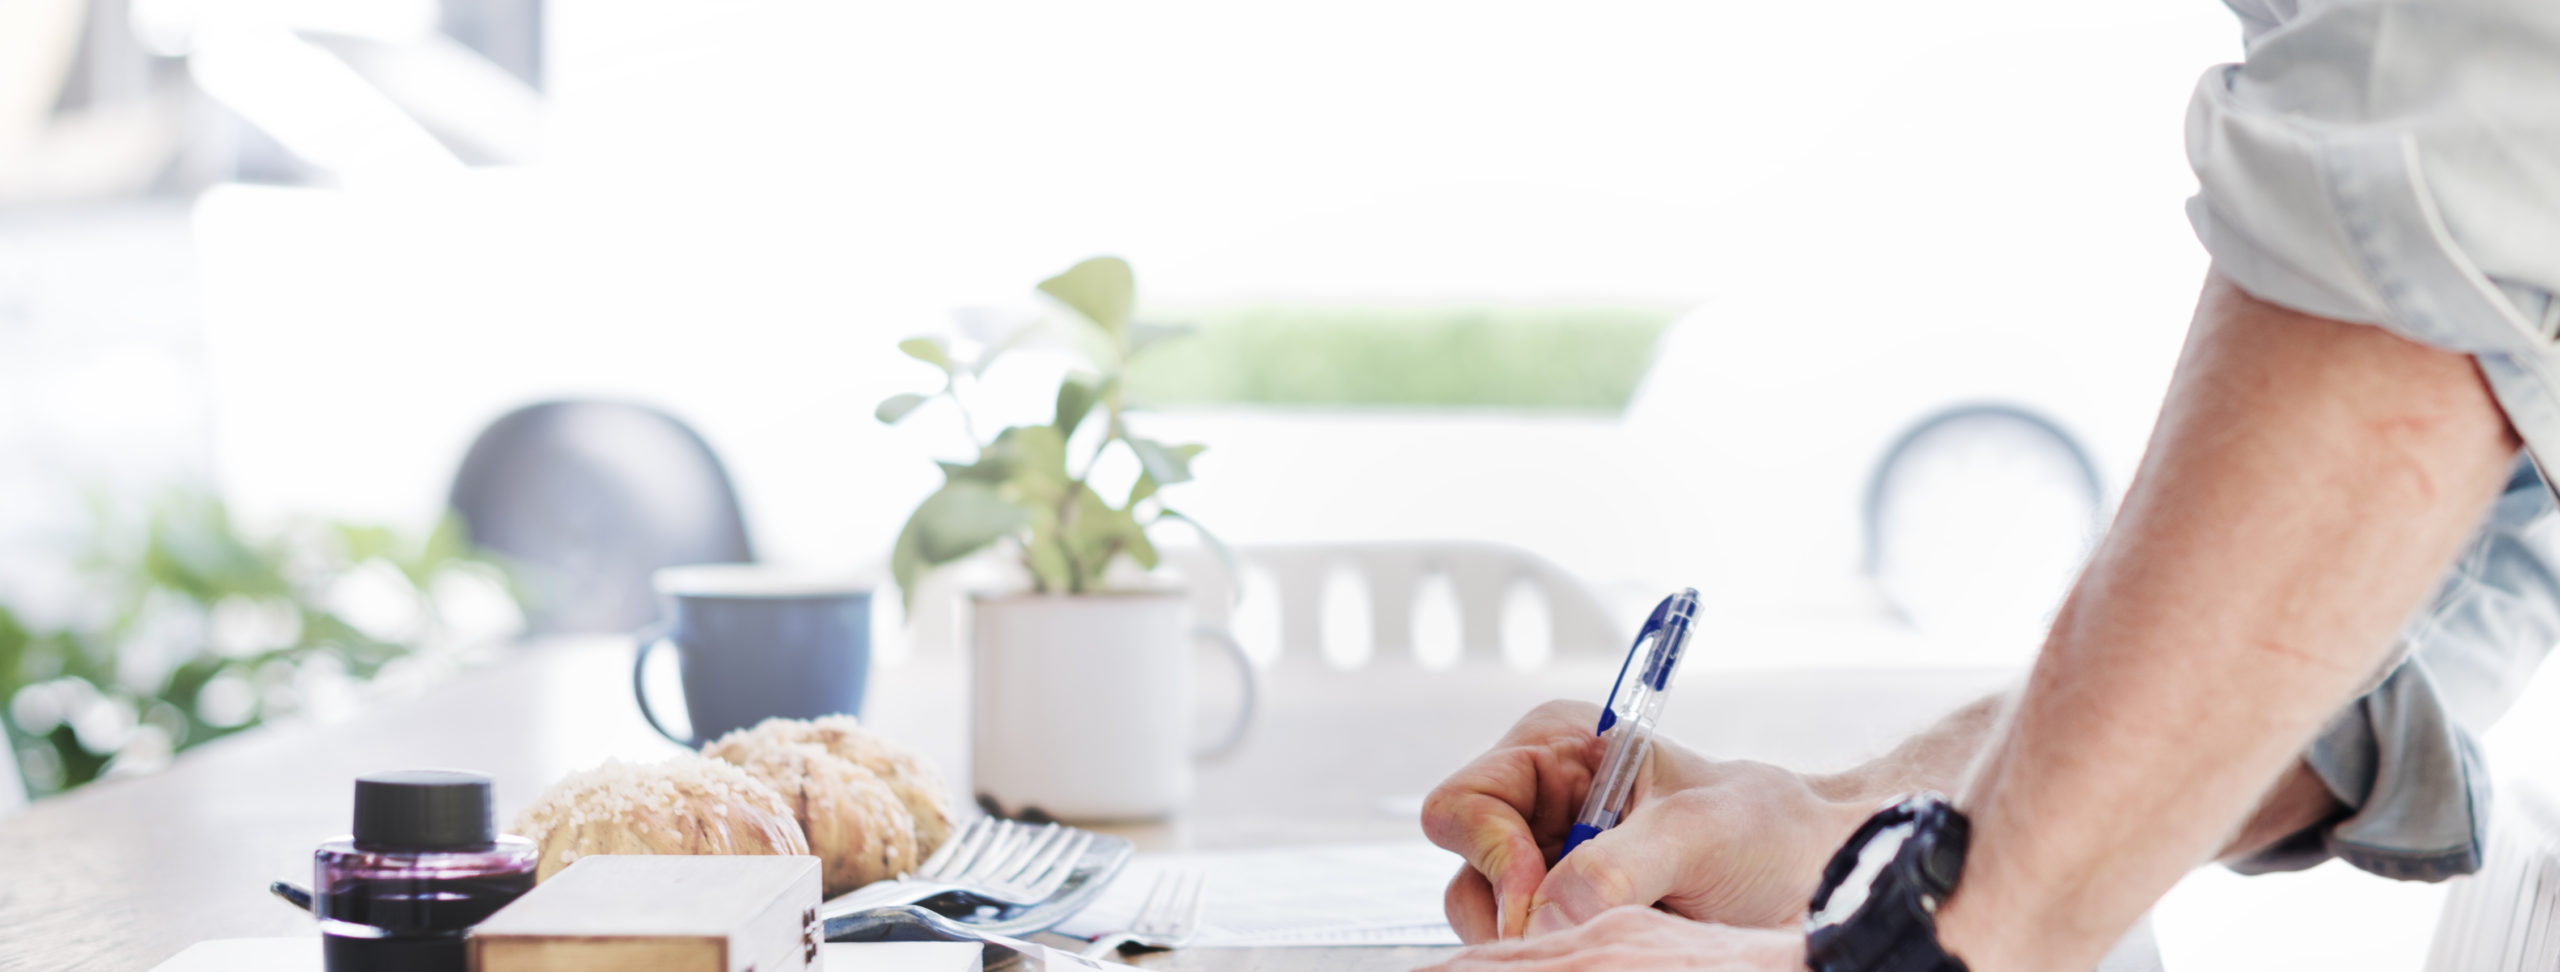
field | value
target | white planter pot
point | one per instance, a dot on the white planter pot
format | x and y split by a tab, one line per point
1082	704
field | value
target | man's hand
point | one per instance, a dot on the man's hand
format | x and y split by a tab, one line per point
1639	938
1737	843
1734	842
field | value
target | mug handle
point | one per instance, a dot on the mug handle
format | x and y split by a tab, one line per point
650	638
1252	682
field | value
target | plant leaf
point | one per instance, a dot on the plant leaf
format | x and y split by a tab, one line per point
1011	341
1143	488
1086	338
980	471
1046	556
1102	289
1093	533
906	564
1075	401
447	543
929	350
1168	464
1032	460
896	407
1034	447
363	542
961	518
1226	555
1140	548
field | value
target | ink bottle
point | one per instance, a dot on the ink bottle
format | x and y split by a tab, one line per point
425	863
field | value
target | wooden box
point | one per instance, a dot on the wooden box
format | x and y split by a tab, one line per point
660	914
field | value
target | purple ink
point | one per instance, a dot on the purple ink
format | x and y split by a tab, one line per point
426	862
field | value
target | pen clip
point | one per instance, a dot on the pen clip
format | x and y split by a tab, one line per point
1653	625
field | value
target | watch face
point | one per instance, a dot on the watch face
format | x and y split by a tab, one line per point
1853	891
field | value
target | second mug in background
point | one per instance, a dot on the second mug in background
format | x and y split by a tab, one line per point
758	642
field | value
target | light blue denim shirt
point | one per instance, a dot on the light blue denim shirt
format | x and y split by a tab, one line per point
2405	758
2397	163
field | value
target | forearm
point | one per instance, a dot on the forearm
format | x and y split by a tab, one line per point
1937	758
2308	482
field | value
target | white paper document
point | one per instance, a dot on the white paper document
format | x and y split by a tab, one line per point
1347	894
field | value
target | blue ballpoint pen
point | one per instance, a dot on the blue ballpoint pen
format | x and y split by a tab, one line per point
1627	720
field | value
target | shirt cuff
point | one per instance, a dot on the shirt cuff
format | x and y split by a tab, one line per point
2414	809
2404	761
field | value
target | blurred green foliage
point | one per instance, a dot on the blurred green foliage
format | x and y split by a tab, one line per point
1530	358
182	629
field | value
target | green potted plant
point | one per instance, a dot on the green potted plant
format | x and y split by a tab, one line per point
1081	688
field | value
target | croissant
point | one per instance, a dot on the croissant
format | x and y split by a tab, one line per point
854	823
916	784
684	805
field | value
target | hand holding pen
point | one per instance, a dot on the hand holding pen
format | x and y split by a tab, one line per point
1736	842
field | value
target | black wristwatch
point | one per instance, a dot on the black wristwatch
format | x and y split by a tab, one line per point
1877	909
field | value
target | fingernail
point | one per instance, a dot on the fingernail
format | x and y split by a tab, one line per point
1501	916
1547	918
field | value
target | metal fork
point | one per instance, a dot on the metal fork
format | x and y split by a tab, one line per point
995	861
1170	918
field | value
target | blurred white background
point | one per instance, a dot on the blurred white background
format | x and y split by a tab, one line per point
1874	211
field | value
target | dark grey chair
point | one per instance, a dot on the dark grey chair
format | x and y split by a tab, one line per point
586	499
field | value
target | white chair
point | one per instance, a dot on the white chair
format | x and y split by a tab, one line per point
1392	573
2507	917
1485	577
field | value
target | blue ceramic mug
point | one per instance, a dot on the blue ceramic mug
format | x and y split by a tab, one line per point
756	643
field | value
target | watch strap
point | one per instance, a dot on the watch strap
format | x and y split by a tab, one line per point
1895	929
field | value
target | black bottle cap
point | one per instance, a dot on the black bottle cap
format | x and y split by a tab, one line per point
424	810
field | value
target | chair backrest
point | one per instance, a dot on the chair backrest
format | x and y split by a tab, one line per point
1392	574
587	499
1488	580
2506	918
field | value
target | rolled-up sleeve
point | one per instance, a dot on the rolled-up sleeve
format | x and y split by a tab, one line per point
2397	163
2404	760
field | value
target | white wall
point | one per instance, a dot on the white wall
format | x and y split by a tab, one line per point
102	384
744	204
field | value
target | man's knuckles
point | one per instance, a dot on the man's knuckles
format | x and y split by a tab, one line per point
1740	793
1479	805
1590	882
